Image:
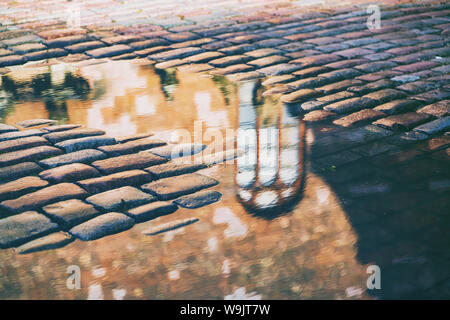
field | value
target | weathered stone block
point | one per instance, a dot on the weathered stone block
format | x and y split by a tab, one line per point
20	134
174	187
34	122
21	186
37	199
178	150
139	160
115	180
21	228
69	172
435	126
32	154
120	199
56	137
52	241
61	127
85	143
18	171
363	116
171	168
22	143
82	156
403	122
107	52
152	211
198	199
350	105
101	226
70	212
131	147
4	128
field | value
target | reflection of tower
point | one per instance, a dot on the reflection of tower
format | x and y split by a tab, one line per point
269	176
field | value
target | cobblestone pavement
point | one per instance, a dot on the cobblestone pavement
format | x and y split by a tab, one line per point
375	102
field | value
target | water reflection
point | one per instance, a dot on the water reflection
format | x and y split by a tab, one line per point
270	175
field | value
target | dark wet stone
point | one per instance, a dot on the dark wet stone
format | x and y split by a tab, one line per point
133	137
42	197
376	66
360	117
178	150
115	180
204	57
45	54
152	211
25	48
198	199
139	160
131	147
21	186
350	105
278	69
34	122
170	64
85	143
229	60
18	170
175	54
278	79
316	60
372	86
238	49
82	156
397	106
101	226
70	212
22	143
31	154
56	137
261	53
52	241
120	199
268	61
58	33
403	122
61	127
237	68
4	128
69	172
151	43
169	226
174	187
84	46
170	169
434	95
24	227
312	82
318	115
107	52
299	96
438	109
436	126
20	134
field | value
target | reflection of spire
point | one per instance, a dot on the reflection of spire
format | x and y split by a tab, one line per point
270	174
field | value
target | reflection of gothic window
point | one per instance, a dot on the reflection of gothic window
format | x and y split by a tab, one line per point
169	82
269	175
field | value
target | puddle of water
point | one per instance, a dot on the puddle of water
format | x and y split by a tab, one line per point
272	235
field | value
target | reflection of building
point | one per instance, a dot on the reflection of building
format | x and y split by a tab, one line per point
270	174
125	98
